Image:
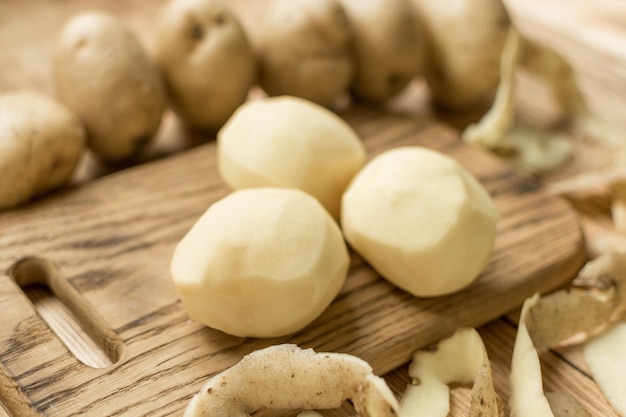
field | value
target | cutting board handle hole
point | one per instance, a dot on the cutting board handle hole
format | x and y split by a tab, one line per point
66	312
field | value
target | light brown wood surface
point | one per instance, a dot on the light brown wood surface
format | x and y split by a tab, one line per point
111	240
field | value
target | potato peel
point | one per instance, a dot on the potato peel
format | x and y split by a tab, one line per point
490	131
606	359
285	377
527	398
611	180
537	150
596	300
533	150
462	358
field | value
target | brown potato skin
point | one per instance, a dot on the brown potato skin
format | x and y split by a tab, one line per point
103	74
206	60
41	143
387	47
305	50
462	49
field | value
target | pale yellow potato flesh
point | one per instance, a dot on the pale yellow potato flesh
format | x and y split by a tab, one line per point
527	398
461	358
421	220
261	263
605	356
290	142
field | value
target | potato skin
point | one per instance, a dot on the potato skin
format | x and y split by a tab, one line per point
41	142
462	49
305	50
206	59
387	47
103	74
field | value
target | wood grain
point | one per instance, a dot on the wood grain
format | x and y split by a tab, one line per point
112	239
27	30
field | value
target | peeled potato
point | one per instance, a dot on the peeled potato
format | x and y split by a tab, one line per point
103	74
290	142
260	262
420	220
207	62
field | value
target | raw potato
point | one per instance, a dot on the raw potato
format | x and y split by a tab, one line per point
387	47
290	142
41	143
305	50
461	358
261	262
420	220
285	377
463	42
103	74
207	62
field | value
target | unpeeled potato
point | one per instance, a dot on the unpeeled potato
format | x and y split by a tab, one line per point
103	74
463	43
387	47
206	59
305	50
41	143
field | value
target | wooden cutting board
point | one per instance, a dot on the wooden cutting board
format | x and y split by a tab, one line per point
105	248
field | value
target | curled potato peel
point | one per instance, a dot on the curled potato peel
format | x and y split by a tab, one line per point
606	360
594	303
462	358
611	179
287	377
531	149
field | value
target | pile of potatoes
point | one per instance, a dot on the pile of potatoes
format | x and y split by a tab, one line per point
205	63
306	56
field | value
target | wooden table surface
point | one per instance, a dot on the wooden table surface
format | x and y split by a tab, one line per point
591	33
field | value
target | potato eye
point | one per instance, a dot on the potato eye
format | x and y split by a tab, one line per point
220	19
395	80
197	31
